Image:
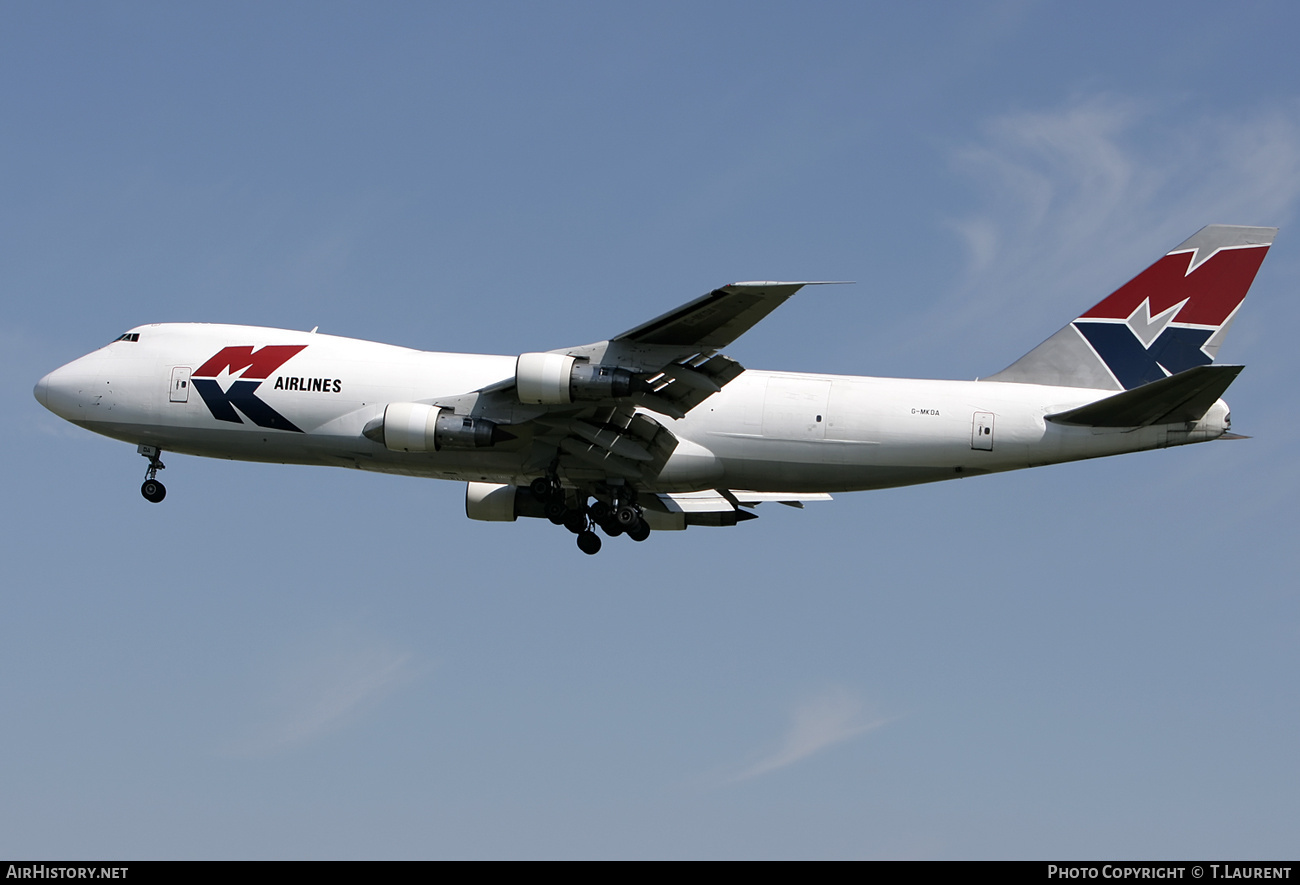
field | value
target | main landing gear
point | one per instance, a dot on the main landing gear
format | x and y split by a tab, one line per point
620	516
152	489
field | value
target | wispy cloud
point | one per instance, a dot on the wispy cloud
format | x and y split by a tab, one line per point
324	689
818	723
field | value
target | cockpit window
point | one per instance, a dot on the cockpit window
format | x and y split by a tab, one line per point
129	336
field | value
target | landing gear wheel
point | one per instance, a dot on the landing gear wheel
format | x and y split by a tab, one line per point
575	521
589	542
556	511
626	516
542	488
611	528
153	491
639	532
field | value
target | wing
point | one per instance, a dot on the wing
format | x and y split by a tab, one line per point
676	354
586	411
715	319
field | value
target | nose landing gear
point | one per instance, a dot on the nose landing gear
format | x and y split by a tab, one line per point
152	489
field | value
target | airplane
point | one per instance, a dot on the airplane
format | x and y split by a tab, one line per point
656	429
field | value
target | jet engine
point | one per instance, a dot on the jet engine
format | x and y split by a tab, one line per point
498	502
553	379
490	501
417	427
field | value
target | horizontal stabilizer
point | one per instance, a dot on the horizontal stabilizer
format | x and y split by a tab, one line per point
1186	396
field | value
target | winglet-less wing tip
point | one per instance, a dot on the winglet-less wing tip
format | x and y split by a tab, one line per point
795	283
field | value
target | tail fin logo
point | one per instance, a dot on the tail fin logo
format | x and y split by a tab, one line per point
1147	328
1173	316
1170	318
1141	348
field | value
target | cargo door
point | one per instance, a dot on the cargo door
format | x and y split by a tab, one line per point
795	407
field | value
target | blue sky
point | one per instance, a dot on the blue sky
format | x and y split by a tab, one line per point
1088	660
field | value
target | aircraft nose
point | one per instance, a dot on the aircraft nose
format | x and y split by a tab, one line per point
63	390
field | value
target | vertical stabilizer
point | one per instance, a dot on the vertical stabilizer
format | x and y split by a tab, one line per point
1170	318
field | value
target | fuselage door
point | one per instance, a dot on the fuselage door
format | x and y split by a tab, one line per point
795	408
180	390
981	433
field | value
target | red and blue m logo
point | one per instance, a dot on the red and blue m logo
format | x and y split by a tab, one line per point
1173	315
252	367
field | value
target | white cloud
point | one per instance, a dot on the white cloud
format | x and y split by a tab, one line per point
326	688
822	721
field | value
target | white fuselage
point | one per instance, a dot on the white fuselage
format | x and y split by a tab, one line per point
765	431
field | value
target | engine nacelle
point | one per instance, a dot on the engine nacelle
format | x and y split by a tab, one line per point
553	379
418	427
543	378
495	502
490	501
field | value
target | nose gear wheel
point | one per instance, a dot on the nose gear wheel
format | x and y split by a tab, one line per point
153	490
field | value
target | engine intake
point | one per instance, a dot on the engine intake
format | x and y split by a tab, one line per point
490	501
500	502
